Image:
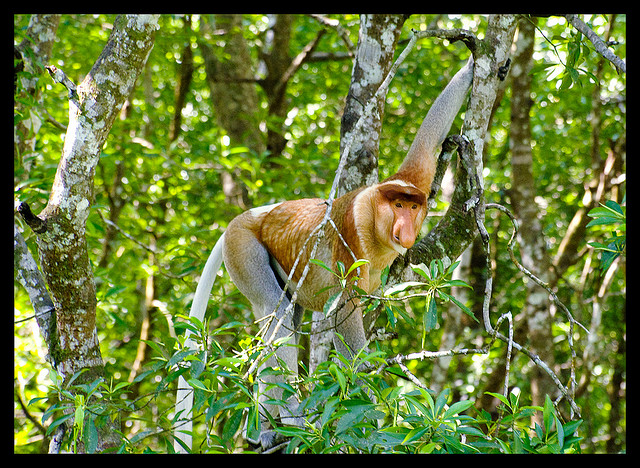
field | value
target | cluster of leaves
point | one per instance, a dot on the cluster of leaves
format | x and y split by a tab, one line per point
89	405
610	214
437	279
347	409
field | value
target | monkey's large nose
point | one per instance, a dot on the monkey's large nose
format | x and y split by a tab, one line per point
403	234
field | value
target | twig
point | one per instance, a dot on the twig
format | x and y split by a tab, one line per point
126	234
436	354
509	349
38	225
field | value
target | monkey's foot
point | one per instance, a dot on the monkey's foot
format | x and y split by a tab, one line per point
268	442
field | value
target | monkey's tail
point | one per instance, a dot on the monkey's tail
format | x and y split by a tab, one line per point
184	397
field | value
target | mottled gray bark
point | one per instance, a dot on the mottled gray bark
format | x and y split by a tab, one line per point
60	227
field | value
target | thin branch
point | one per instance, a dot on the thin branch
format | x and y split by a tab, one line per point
598	43
479	207
342	32
32	279
126	234
568	393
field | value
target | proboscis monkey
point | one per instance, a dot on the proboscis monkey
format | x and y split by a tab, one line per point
378	223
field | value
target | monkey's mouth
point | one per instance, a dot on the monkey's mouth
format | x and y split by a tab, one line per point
397	247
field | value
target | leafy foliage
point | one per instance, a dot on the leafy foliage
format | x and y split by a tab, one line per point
166	197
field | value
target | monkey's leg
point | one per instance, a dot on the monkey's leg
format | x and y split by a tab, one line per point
247	262
348	322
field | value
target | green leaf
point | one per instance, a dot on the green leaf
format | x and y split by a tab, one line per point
571	427
500	397
613	206
457	407
458	283
321	264
603	221
357	264
560	432
547	414
195	383
90	436
441	401
460	305
232	425
337	373
429	317
417	404
57	422
400	287
329	410
180	356
332	303
422	270
415	434
391	318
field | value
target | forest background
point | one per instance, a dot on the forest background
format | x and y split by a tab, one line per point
233	111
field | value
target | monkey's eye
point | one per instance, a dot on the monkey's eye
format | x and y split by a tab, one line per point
398	205
414	207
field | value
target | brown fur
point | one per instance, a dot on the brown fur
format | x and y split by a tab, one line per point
365	218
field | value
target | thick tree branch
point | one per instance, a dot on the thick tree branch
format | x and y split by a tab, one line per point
34	284
490	54
297	62
453	35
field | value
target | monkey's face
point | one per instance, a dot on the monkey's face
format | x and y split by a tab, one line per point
398	223
400	211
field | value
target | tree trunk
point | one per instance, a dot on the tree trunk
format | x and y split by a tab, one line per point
234	97
530	236
374	57
93	107
457	229
377	41
41	32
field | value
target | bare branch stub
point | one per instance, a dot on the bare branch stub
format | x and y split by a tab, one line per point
38	225
60	77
